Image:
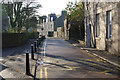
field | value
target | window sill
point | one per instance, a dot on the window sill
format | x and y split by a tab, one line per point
109	39
98	38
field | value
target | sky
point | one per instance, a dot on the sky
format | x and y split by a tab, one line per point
53	6
50	6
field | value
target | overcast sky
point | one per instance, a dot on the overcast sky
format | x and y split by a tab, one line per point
53	6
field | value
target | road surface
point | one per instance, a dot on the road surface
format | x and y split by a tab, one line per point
62	60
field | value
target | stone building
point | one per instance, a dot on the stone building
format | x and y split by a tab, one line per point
5	19
51	19
48	25
102	26
44	26
54	24
59	22
67	26
59	25
40	24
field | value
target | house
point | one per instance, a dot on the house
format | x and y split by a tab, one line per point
102	26
5	19
51	19
59	24
43	26
48	24
52	24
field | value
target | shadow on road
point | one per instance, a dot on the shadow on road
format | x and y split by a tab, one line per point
86	65
2	67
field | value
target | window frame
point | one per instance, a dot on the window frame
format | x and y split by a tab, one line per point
97	25
109	24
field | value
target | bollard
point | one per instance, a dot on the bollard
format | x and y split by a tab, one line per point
27	63
35	49
32	52
39	40
35	72
42	38
37	43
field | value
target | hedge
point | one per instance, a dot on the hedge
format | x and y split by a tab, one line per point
16	39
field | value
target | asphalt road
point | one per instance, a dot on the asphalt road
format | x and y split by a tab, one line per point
62	60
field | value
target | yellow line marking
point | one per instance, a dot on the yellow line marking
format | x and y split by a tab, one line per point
33	70
102	72
69	68
45	73
41	76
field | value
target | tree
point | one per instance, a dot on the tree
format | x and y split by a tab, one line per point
76	19
28	13
75	11
33	22
19	14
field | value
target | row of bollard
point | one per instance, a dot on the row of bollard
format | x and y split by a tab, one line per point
34	47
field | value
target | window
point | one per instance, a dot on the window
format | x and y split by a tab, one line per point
87	4
97	26
109	25
87	21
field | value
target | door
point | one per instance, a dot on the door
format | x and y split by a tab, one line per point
88	33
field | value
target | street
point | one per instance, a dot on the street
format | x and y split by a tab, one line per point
62	60
63	39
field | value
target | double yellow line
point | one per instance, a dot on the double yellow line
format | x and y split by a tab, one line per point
41	73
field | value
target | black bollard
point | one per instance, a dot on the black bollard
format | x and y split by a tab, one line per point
42	38
35	49
32	52
37	43
27	63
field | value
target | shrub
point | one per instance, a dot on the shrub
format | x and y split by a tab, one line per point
16	39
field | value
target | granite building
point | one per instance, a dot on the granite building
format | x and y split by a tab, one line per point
102	26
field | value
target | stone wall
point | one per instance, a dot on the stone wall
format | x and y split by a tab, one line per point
60	33
113	42
55	33
119	26
101	42
66	29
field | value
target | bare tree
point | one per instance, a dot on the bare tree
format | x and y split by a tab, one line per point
19	13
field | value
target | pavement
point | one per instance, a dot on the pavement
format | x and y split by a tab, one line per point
13	63
61	59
